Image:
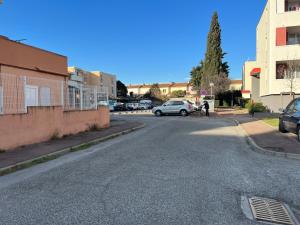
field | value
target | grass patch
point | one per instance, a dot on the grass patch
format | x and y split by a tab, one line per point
274	122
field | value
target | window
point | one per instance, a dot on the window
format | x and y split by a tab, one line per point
178	103
164	90
293	38
297	105
287	70
292	5
281	70
169	103
31	95
45	96
291	107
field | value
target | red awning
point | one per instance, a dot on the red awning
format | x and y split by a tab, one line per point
255	72
245	92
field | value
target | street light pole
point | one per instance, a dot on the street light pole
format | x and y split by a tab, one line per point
211	88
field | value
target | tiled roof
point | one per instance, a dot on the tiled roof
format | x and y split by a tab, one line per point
236	82
161	85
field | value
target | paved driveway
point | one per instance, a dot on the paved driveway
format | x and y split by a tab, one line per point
176	171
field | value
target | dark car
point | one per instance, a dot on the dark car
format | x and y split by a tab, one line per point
289	120
120	107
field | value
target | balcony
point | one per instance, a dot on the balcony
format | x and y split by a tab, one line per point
292	5
288	36
293	35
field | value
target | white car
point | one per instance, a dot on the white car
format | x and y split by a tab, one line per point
183	108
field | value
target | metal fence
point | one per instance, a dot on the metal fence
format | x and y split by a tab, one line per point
83	97
19	92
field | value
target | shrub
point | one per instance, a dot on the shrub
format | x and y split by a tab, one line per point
93	127
255	107
55	135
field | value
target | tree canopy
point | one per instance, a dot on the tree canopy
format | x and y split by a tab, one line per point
121	89
213	69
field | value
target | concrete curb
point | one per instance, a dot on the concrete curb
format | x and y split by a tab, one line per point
57	154
261	150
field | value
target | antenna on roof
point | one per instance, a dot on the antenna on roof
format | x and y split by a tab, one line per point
20	40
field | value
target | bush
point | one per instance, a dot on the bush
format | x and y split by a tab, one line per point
255	107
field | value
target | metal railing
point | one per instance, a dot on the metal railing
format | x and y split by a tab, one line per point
19	92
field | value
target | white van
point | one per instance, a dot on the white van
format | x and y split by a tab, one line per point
149	102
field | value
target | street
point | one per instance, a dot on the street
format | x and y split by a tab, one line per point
175	171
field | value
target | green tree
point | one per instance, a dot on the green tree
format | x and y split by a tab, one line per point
178	94
154	91
212	65
196	76
121	89
225	67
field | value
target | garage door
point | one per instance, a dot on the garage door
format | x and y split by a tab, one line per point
31	95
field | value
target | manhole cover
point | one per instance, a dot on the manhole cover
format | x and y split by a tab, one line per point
269	210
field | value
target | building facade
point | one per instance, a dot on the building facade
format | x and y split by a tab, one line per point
30	76
168	88
236	85
277	67
108	81
165	88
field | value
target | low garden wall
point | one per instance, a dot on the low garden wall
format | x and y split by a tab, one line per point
43	123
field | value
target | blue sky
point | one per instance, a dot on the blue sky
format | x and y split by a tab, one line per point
141	41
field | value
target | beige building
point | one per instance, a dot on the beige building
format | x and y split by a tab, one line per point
168	88
236	85
80	76
165	88
108	81
278	39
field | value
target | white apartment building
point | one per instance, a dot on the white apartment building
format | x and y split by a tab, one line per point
277	52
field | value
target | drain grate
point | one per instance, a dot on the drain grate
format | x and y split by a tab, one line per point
269	210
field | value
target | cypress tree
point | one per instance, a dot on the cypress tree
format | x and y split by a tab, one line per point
214	54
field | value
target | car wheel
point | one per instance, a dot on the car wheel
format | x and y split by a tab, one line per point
281	127
158	113
298	133
183	112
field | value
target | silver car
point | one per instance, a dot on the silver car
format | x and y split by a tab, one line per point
183	108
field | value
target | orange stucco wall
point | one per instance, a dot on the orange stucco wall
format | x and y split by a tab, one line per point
12	81
32	58
41	123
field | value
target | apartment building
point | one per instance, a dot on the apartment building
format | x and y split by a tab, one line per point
168	88
277	55
108	81
165	88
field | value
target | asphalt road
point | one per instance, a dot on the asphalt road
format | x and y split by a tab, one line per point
176	171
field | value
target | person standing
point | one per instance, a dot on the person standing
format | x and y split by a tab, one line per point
206	106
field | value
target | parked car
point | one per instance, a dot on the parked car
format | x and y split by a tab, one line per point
289	120
183	108
149	102
120	107
145	106
132	106
196	107
111	105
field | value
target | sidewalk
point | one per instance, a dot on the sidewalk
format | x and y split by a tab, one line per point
30	152
265	136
